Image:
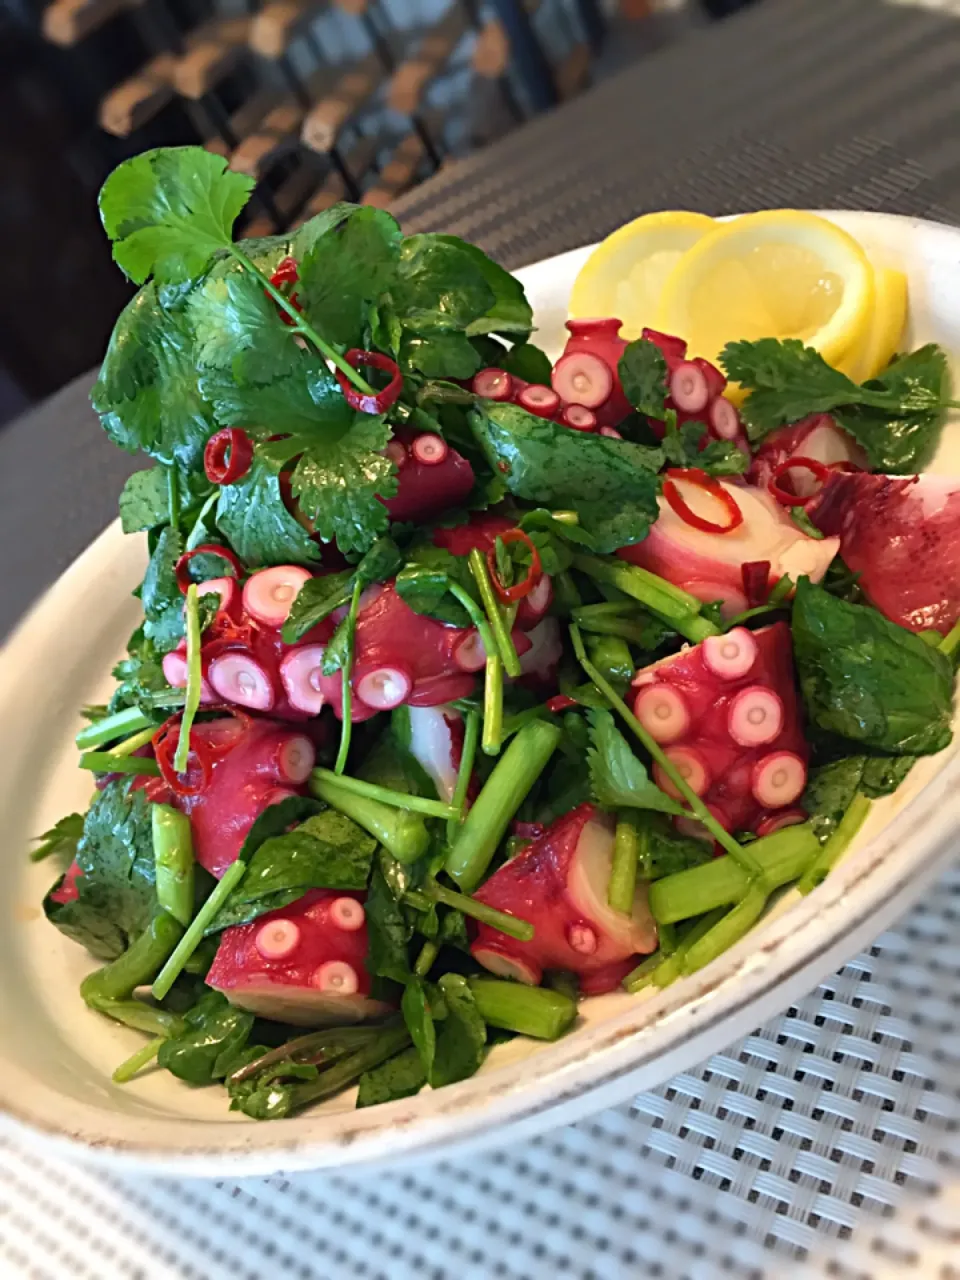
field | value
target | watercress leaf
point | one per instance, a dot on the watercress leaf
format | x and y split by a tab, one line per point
252	517
169	210
439	355
438	286
611	484
867	679
882	775
617	777
238	328
398	1077
215	1032
643	376
316	600
416	1014
61	840
275	820
786	380
510	311
461	1042
345	270
424	583
903	440
116	885
388	929
829	792
527	362
160	594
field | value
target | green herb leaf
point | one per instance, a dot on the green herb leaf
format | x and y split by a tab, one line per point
643	376
116	885
527	362
237	327
419	1020
439	285
61	840
345	270
882	775
511	312
145	500
461	1043
611	484
681	448
399	1077
663	850
161	596
787	381
215	1033
904	440
316	600
867	679
307	235
829	793
252	517
424	584
305	402
617	777
169	210
388	929
439	355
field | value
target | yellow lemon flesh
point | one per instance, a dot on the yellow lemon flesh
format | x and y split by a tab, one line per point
625	274
884	335
780	274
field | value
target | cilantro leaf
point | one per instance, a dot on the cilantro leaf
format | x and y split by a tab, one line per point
315	601
681	448
307	235
252	517
424	584
439	287
160	594
787	381
611	484
663	850
528	362
905	439
643	376
237	327
617	777
305	400
511	312
169	210
61	839
346	269
145	499
388	929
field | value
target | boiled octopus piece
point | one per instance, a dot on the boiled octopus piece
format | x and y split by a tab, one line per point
426	489
817	437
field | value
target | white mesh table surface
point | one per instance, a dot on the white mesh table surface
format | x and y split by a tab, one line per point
825	1144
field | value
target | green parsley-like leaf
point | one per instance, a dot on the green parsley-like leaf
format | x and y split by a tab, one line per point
252	517
145	499
61	839
345	270
461	1043
161	596
617	777
510	312
168	211
305	402
904	440
681	448
787	381
829	792
643	375
529	363
388	929
439	287
318	598
424	584
439	355
215	1032
307	235
398	1077
237	327
416	1014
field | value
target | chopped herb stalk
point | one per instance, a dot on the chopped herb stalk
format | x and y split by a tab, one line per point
642	975
503	793
346	726
198	926
493	705
425	959
530	1011
468	753
173	498
107	762
173	855
140	1016
402	833
951	641
477	617
623	875
740	852
671	968
671	603
137	1061
504	643
725	932
133	743
836	844
667	933
137	966
512	926
194	678
130	720
396	799
782	857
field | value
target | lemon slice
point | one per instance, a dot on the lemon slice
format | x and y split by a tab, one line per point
625	274
883	337
780	274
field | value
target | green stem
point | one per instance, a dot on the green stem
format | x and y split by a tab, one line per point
133	743
836	844
173	497
194	679
503	793
530	1011
349	1069
300	325
123	722
468	753
396	799
173	857
740	852
425	959
346	725
623	874
505	645
137	1061
725	932
402	833
781	858
493	706
511	925
198	926
140	1016
672	967
199	530
137	966
667	935
611	656
951	641
107	762
477	616
642	975
677	607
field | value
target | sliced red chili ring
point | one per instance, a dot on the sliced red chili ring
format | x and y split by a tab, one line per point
820	471
756	581
165	742
287	272
534	572
709	484
561	702
370	401
228	455
208	549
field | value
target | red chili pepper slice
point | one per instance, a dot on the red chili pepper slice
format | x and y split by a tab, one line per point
366	401
228	456
561	702
756	581
199	761
211	549
287	272
709	484
534	572
820	472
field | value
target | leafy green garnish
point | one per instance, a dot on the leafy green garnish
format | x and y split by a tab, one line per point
663	850
424	584
161	596
215	1032
830	791
867	679
237	328
527	362
61	839
345	271
618	779
611	484
419	1019
643	376
319	597
252	517
388	929
904	437
399	1077
461	1042
681	448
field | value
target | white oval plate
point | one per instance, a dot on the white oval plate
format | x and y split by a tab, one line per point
56	1056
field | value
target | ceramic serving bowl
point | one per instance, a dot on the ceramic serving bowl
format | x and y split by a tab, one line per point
56	1056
